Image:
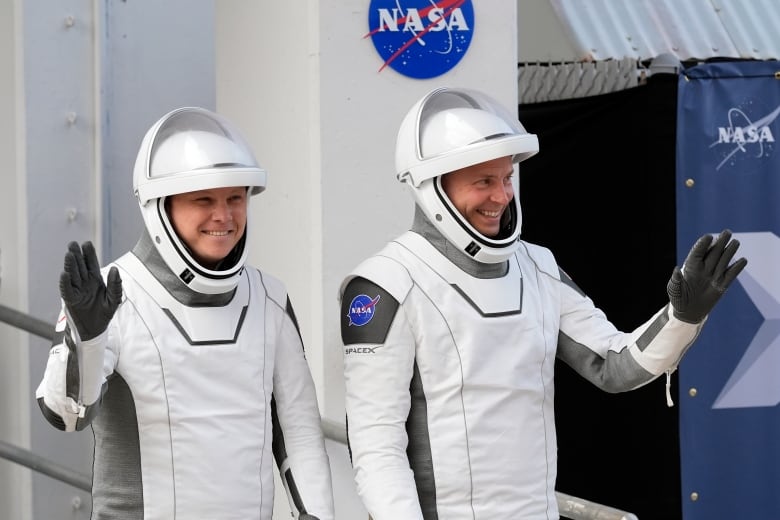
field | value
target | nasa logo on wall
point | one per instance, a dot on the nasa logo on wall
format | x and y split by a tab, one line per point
420	38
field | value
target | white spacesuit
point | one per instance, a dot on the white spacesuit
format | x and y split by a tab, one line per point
450	339
199	379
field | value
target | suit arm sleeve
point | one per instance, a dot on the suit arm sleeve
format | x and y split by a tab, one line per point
379	351
298	441
614	360
71	388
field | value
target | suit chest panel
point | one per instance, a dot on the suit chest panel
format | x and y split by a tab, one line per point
196	356
480	327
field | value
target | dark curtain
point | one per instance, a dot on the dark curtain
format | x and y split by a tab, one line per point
600	194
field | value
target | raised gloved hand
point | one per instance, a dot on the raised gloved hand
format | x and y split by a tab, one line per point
705	276
90	302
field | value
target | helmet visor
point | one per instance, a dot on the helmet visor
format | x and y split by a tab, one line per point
456	128
455	118
194	149
190	141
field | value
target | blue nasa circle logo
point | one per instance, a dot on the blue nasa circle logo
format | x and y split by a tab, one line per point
421	38
362	309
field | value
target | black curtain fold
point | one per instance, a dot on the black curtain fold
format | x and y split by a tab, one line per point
601	195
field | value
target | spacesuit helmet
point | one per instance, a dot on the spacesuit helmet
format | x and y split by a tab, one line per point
453	128
192	149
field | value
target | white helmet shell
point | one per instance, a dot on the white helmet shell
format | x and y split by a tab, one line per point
453	128
192	149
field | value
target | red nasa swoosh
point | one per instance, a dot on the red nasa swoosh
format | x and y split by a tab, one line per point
448	5
371	304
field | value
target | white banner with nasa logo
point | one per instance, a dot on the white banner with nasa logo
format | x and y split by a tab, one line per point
728	176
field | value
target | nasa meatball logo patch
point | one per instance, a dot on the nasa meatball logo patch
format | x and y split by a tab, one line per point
420	38
362	309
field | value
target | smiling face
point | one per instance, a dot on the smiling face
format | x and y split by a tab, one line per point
209	222
481	193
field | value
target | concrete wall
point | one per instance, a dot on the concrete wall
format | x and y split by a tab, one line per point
541	37
303	83
15	490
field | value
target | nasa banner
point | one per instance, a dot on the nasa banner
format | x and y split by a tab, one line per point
728	176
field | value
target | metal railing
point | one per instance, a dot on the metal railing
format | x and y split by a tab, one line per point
27	323
45	466
570	507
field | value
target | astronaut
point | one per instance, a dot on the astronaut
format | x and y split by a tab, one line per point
451	331
187	363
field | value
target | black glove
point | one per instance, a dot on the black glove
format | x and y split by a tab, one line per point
90	302
705	276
